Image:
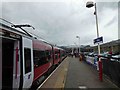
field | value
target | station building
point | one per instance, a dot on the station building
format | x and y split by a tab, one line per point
113	46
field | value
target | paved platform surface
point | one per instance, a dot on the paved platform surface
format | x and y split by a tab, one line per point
81	75
73	73
57	80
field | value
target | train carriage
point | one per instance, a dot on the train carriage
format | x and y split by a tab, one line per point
62	54
42	56
25	59
56	53
17	58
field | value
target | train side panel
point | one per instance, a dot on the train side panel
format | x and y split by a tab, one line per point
42	58
56	55
28	73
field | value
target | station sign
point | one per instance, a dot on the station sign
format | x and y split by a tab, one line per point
98	40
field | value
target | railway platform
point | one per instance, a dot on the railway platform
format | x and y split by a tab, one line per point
73	73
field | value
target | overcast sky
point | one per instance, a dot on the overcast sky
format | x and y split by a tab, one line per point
59	22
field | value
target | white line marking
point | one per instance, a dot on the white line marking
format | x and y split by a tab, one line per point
82	87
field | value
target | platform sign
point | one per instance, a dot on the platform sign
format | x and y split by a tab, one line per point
98	40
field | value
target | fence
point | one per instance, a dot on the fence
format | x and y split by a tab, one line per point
112	70
111	67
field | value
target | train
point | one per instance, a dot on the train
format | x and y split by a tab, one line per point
25	59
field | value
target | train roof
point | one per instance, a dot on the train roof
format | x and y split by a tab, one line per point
40	45
10	29
19	33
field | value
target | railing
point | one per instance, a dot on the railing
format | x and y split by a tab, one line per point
112	70
111	67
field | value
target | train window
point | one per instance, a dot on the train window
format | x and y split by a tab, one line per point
27	58
48	55
56	56
39	58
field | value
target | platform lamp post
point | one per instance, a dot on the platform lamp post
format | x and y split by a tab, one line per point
90	4
78	42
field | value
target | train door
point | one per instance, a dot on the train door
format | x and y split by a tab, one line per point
27	62
8	62
16	64
53	55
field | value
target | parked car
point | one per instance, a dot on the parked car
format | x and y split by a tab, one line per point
115	58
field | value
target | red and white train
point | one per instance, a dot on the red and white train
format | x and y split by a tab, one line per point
24	59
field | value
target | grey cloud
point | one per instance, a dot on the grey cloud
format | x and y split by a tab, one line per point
57	22
113	20
103	7
111	5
